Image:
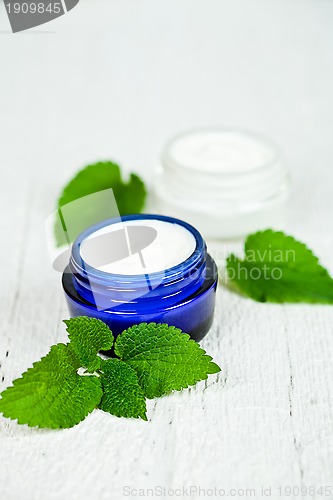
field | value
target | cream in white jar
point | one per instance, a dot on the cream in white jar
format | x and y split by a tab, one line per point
228	183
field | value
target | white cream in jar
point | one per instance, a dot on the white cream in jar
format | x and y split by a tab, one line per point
156	246
228	183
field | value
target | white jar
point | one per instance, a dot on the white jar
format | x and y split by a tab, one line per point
227	183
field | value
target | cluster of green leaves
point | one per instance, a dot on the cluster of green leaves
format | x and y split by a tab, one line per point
278	268
152	360
130	198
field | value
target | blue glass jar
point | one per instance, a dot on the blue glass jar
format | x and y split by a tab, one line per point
182	295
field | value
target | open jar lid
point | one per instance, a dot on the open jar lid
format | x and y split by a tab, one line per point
226	182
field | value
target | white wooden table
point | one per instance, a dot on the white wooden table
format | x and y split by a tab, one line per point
115	79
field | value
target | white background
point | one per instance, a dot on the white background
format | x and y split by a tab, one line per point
114	80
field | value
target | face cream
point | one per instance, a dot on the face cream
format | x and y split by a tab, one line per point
142	268
228	183
169	245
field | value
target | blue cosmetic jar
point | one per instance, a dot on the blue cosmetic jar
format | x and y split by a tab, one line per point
182	295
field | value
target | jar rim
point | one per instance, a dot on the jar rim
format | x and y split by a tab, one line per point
79	266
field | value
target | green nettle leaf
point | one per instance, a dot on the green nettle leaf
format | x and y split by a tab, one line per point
278	268
130	198
122	394
51	394
164	358
87	337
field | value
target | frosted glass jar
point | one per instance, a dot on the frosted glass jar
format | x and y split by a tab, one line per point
227	183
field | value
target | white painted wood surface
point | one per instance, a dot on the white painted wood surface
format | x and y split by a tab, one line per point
115	79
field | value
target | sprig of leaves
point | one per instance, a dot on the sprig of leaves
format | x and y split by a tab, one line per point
153	360
278	268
